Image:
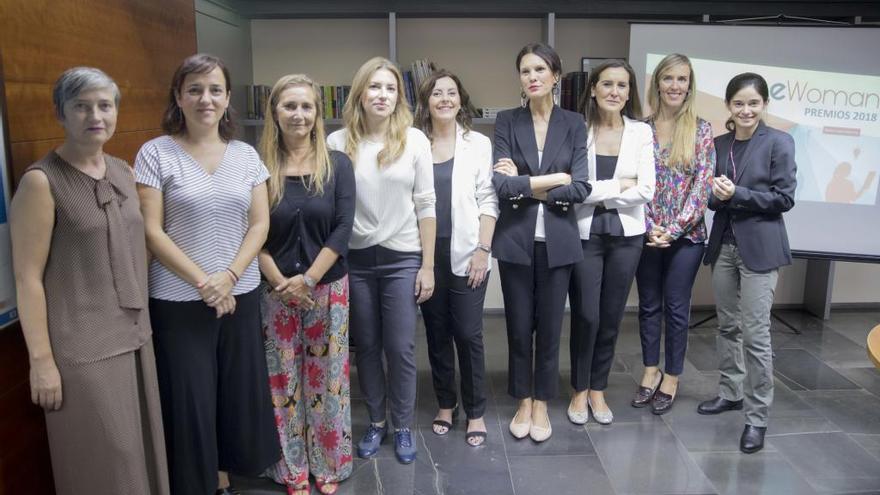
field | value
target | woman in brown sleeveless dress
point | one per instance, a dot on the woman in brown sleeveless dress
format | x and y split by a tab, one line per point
80	269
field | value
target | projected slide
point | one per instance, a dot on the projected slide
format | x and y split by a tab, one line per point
833	117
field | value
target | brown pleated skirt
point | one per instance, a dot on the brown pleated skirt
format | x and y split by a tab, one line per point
107	438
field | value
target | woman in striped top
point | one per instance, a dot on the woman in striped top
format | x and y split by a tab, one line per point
391	256
205	207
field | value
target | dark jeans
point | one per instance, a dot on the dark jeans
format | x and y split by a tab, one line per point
383	321
214	386
455	314
534	303
599	287
665	279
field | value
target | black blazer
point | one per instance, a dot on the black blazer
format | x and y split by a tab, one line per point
565	150
765	186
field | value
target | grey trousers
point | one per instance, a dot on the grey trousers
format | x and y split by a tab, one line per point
383	321
743	299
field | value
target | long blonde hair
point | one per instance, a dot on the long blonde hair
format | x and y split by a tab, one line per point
272	144
355	121
684	134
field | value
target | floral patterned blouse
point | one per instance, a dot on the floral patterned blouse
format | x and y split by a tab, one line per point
681	196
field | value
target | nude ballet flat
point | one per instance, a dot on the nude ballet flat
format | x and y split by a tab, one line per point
604	417
520	430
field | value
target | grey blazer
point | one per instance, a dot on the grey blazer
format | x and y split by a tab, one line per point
565	150
765	185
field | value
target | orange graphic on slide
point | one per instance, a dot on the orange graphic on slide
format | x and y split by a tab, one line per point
841	189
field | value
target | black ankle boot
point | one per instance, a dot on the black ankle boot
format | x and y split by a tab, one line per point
752	439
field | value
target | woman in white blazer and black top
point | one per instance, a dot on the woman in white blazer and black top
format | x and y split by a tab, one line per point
466	211
611	222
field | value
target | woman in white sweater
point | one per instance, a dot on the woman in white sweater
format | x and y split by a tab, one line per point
466	211
391	252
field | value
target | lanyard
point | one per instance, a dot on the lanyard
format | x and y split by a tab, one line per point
732	163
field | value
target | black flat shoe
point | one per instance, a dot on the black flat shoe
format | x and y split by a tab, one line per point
752	439
719	405
662	402
227	491
644	394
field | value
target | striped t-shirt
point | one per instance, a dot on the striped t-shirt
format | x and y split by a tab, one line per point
206	215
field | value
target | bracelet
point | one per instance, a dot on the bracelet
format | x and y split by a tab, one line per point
486	249
309	281
233	275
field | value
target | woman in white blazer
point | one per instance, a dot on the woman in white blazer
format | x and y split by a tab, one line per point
466	211
611	222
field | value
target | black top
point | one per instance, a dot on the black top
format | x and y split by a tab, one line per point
443	191
738	149
606	221
304	223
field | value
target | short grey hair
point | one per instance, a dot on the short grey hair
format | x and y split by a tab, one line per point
78	79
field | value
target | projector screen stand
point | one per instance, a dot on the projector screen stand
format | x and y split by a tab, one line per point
772	315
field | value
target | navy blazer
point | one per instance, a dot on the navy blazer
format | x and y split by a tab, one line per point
565	150
765	185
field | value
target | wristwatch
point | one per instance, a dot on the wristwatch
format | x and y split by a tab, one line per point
484	248
310	282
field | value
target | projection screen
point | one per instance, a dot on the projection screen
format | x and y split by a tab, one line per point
824	90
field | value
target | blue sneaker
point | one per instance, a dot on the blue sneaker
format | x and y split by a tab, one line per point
403	446
368	446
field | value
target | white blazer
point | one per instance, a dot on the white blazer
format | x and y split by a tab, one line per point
635	161
472	195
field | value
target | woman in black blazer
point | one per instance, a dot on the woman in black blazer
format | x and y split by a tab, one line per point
540	171
754	185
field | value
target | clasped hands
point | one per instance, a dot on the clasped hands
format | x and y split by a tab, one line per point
658	237
216	291
294	290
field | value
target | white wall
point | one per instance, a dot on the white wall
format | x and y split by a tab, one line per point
328	50
221	32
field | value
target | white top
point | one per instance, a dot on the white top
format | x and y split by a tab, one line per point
634	161
473	195
206	215
539	224
391	198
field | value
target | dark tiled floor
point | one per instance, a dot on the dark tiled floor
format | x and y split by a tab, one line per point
824	435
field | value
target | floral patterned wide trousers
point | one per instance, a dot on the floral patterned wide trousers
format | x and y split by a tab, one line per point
307	357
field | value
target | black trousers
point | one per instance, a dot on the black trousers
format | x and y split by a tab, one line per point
454	314
599	287
534	303
214	386
665	279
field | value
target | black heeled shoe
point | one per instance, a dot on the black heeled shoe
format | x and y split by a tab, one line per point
752	439
444	424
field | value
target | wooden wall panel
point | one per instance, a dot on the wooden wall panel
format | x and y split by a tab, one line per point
138	43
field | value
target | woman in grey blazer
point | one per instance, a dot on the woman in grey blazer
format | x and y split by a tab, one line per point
540	172
754	185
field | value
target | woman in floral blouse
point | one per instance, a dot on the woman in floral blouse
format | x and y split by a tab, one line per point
685	160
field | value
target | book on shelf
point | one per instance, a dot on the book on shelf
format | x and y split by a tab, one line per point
332	97
420	70
573	91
